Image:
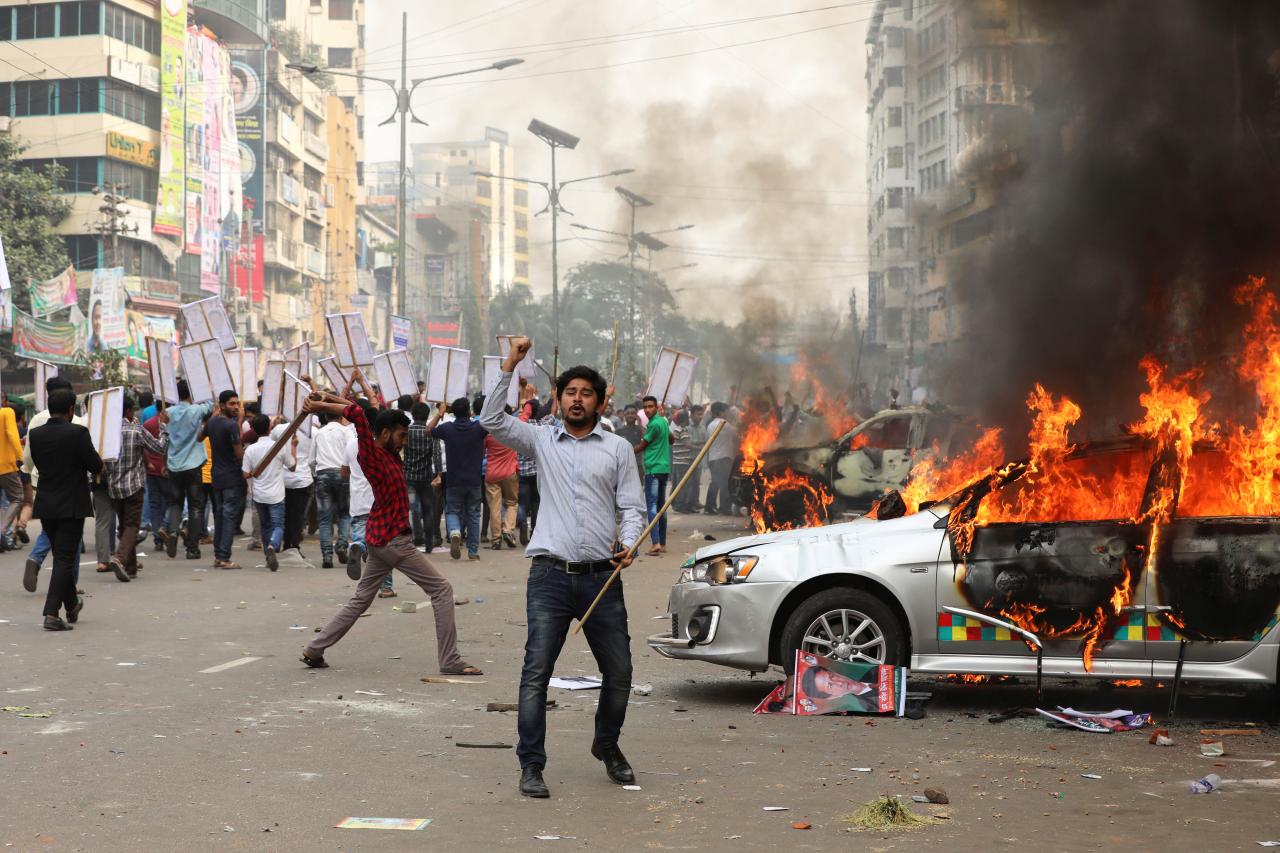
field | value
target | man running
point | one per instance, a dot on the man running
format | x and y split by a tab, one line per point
586	476
388	536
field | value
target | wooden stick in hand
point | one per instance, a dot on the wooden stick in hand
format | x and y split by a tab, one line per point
635	546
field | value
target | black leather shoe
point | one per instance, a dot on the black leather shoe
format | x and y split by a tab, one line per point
615	763
30	575
55	623
73	615
531	784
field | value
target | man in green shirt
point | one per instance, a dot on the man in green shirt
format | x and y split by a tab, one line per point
656	446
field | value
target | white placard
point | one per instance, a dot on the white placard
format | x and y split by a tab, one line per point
5	283
274	386
207	320
164	375
205	366
336	376
672	377
350	340
295	392
301	354
493	373
104	417
244	370
526	369
395	375
447	375
44	372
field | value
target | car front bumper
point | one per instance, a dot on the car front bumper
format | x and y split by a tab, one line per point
727	624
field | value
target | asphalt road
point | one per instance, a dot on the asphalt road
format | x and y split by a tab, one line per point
179	717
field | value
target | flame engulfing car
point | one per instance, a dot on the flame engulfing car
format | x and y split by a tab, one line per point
785	487
1112	587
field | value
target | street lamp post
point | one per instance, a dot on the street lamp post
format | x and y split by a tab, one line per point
555	139
404	113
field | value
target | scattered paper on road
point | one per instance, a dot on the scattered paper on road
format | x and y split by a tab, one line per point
577	682
408	823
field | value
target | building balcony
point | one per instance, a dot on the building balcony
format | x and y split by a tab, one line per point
314	259
237	22
972	95
993	150
315	206
284	133
289	191
280	251
286	81
316	144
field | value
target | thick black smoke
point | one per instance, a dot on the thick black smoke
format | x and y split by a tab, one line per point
1149	189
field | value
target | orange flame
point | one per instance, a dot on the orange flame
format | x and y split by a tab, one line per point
808	498
1126	682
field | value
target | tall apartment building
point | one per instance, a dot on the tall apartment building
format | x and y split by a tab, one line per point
333	31
950	86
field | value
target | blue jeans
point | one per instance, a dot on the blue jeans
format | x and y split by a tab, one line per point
332	500
271	519
157	502
228	506
655	494
554	600
43	546
459	500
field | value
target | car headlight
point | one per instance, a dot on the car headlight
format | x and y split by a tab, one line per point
725	569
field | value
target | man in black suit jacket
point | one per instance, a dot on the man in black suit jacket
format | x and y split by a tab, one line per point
63	453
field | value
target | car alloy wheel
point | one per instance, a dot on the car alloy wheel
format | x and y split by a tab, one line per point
847	635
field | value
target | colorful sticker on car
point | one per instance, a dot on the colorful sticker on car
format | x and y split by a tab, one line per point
1144	626
953	628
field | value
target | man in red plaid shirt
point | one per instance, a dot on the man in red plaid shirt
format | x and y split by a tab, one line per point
388	536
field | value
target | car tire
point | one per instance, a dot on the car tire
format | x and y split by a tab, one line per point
884	625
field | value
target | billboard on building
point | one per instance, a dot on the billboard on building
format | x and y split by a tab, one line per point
249	100
211	170
171	195
196	141
229	170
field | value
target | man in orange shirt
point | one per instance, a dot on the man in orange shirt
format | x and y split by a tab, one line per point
502	489
10	459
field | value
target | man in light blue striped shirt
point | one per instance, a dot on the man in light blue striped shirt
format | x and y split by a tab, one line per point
586	478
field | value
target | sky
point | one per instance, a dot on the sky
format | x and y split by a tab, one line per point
743	118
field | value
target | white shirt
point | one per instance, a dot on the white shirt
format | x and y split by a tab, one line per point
726	446
268	487
330	445
361	501
300	477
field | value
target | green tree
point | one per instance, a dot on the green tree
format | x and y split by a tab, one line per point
30	207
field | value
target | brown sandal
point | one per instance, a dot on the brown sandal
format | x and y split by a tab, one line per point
466	669
386	593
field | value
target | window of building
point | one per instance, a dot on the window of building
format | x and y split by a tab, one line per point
46	20
482	188
138	181
893	197
83	251
78	96
277	9
33	98
139	258
895	116
24	22
520	197
894	156
894	37
522	245
897	238
131	28
893	76
341	57
77	18
899	277
522	269
342	10
522	221
893	324
136	105
74	174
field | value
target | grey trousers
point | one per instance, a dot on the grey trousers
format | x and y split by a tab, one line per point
104	524
400	554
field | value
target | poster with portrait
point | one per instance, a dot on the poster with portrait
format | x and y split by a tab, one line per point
295	394
493	373
447	374
106	329
249	105
395	375
301	354
275	385
672	377
160	364
205	366
171	186
104	416
336	377
827	686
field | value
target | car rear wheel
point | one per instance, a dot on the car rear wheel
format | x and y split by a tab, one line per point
844	624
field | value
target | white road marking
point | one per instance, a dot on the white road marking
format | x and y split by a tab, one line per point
230	664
